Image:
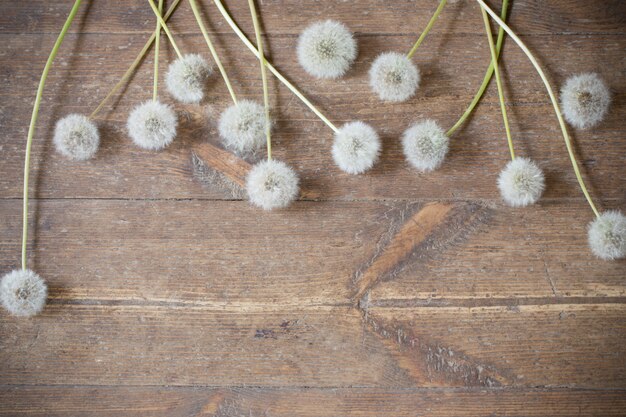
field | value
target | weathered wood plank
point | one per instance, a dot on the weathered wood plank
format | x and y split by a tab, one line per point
478	152
291	16
578	346
53	401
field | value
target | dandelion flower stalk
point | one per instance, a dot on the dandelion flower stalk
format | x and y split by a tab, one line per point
162	23
266	99
486	79
157	42
494	61
273	70
429	26
133	66
555	104
216	58
33	121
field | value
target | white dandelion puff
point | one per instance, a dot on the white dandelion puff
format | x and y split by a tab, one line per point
607	235
356	147
76	137
425	145
326	49
394	77
521	183
152	125
186	78
585	100
23	292
242	127
272	184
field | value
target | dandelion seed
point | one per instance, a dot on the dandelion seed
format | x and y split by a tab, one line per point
186	78
356	147
326	49
394	77
585	100
152	125
425	145
272	184
521	183
607	235
76	137
242	127
23	292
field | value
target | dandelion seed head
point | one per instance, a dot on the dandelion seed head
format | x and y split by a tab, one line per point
76	137
425	145
521	183
394	77
326	49
607	235
186	78
152	125
272	184
356	147
23	293
242	127
585	100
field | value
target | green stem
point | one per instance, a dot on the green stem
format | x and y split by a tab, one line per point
555	103
429	26
216	58
266	99
134	64
486	79
494	60
273	70
155	89
33	122
165	28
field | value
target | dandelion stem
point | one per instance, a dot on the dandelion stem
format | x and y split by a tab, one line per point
157	39
494	60
33	122
273	70
134	64
429	26
165	28
555	104
486	79
216	57
266	98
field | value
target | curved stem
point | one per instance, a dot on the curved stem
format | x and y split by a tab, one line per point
134	64
216	58
155	88
33	122
429	26
486	79
555	104
494	60
273	70
266	99
165	28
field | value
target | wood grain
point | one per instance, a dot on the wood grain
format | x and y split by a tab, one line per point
392	293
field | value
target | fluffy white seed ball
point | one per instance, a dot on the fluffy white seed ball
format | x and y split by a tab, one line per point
425	145
23	292
242	127
186	78
356	147
152	125
394	77
272	184
76	137
521	183
607	235
585	100
326	49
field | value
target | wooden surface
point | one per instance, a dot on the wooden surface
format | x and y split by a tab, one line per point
387	294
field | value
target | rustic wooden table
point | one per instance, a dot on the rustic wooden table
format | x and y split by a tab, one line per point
386	294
